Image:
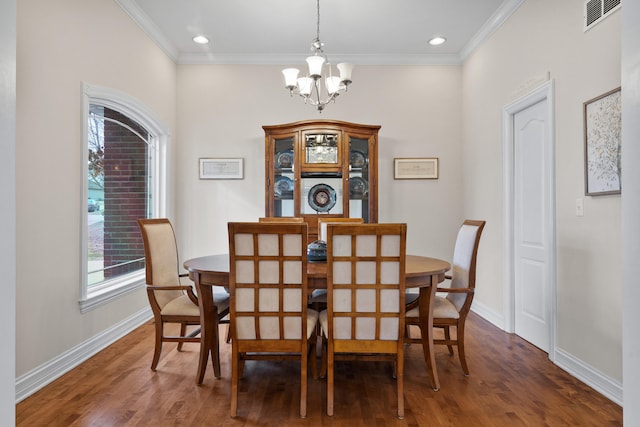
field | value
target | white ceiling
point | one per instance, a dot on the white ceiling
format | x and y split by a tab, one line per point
281	31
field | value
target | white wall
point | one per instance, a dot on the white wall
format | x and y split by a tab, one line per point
631	209
546	36
221	110
8	213
60	45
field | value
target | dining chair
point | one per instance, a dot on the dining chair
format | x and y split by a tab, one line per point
452	310
318	299
365	306
172	302
268	288
322	224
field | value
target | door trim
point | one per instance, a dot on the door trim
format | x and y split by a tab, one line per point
543	92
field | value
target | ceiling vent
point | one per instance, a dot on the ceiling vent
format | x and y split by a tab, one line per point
596	10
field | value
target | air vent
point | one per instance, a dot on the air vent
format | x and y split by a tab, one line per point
596	10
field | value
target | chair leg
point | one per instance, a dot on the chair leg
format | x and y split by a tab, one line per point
311	352
323	357
330	375
158	344
183	333
234	382
400	384
461	353
303	382
447	336
215	354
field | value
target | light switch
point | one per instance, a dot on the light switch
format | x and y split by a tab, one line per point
579	206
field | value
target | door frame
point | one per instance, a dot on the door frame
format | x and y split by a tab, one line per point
543	92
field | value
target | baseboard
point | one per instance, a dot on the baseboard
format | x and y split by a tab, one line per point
601	383
598	381
39	377
488	314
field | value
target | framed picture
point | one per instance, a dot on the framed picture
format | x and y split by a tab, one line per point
602	144
221	168
417	168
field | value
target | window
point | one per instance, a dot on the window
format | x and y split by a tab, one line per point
122	156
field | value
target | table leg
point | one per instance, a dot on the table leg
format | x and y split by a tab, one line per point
427	297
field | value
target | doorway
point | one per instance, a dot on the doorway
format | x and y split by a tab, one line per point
529	218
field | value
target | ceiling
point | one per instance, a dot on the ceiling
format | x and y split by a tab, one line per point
281	31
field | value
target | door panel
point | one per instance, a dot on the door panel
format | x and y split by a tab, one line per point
531	195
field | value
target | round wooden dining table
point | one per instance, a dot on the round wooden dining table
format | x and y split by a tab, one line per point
421	272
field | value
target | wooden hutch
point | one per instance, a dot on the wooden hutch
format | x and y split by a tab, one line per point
321	168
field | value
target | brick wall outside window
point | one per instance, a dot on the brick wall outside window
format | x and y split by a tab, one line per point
125	194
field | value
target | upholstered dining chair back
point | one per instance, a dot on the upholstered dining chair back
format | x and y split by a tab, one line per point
365	306
268	288
463	269
161	257
322	224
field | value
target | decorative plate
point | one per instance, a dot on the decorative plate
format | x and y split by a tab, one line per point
357	187
357	159
284	159
322	197
283	185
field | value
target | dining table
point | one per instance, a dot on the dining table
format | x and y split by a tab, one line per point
421	272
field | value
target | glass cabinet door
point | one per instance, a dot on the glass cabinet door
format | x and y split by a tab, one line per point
359	177
283	178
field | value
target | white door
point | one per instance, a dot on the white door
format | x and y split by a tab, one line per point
532	220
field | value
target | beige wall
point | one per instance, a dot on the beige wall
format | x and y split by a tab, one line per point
221	110
583	65
60	45
449	112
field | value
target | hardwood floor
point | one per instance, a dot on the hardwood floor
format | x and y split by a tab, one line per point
512	383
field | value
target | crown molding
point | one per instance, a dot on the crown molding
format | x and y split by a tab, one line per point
149	27
506	9
495	21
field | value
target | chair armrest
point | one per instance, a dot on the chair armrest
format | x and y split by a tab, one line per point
187	289
456	290
169	288
448	277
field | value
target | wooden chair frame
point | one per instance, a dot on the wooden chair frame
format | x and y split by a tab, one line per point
154	290
378	346
277	347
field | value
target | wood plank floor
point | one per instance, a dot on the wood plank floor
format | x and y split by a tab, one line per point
512	383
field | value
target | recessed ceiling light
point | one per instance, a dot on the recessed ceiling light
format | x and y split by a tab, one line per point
201	39
437	41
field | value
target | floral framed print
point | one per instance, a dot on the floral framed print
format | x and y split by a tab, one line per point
603	144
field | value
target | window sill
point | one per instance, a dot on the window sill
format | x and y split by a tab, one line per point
108	291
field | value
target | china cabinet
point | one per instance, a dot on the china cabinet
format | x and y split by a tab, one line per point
321	168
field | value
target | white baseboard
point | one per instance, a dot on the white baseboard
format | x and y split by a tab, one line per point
488	314
39	377
600	382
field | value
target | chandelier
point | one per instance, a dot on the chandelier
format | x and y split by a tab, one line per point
310	88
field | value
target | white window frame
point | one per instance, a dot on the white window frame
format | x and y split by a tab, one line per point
158	140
